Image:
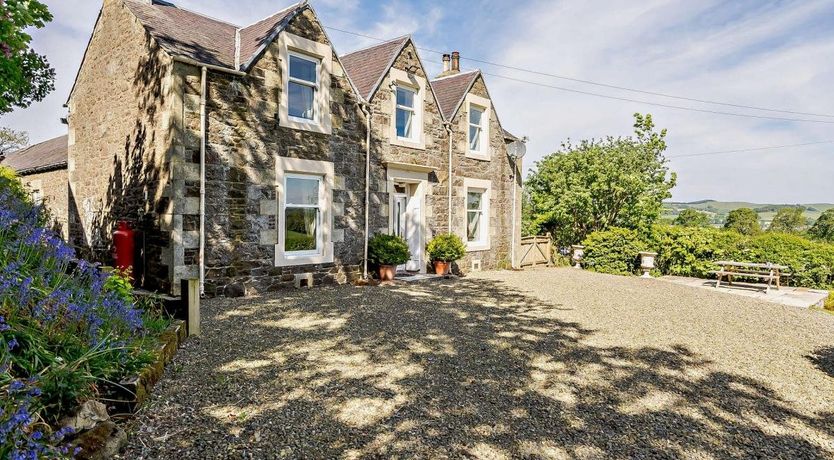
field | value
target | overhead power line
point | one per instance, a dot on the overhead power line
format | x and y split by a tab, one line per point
754	149
658	104
624	88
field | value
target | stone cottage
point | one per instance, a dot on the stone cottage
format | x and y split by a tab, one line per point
255	158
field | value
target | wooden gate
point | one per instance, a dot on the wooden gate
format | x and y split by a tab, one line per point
536	250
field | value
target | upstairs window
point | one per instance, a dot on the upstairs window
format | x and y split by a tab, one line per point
405	112
476	130
302	87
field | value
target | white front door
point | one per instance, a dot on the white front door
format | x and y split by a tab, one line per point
406	222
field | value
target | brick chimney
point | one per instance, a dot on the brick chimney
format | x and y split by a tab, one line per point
451	64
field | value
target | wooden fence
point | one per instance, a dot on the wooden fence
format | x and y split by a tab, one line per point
536	250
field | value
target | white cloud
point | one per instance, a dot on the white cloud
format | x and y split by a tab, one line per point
685	48
772	54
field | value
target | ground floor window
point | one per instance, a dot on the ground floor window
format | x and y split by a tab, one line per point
302	214
477	214
305	200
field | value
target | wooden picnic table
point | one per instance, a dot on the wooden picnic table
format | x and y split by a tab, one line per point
768	272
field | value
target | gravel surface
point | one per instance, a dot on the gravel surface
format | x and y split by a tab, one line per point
549	363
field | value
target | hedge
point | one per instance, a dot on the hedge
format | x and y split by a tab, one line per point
692	251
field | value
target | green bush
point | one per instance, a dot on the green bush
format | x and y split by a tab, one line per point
691	251
446	247
388	250
613	251
829	302
811	263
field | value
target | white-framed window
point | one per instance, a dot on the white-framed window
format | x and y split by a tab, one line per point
476	130
304	221
405	112
477	119
408	95
302	86
302	215
306	69
477	197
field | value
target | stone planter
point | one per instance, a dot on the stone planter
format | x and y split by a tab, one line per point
647	263
131	392
577	253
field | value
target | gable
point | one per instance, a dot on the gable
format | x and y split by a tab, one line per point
452	90
367	67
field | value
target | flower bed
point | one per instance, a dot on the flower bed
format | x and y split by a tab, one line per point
68	331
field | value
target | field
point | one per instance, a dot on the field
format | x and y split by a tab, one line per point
718	210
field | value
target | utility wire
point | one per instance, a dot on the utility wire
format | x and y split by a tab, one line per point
658	104
754	149
622	88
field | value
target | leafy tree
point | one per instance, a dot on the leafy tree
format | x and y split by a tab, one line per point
744	221
25	76
613	182
692	218
788	220
11	140
823	228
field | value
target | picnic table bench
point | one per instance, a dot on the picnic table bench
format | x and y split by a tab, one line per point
767	272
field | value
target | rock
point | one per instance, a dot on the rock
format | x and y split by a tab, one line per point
88	415
102	442
235	290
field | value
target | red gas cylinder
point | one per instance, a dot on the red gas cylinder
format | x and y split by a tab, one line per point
124	245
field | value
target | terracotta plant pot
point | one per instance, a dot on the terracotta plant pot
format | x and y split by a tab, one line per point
387	272
441	267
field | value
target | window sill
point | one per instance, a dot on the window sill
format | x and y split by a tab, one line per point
477	246
284	260
478	156
303	124
419	145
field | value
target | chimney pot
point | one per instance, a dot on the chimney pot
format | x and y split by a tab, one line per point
446	62
455	61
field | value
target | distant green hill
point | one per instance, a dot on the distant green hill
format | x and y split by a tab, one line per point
718	210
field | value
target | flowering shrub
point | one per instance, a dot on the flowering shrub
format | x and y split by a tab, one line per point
65	326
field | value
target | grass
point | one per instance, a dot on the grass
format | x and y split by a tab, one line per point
829	302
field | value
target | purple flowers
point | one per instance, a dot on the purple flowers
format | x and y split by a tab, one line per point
50	301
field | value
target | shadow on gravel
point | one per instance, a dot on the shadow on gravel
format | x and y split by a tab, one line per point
449	369
823	358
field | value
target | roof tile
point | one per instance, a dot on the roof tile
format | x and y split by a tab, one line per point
51	154
451	90
367	66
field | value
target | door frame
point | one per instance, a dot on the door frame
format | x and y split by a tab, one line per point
420	180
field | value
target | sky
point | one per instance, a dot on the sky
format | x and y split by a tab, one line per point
760	53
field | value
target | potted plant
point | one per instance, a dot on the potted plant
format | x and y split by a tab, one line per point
444	249
387	251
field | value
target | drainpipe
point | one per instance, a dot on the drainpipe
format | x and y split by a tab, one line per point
448	126
202	255
368	112
512	246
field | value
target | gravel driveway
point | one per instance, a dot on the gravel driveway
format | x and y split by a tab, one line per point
550	363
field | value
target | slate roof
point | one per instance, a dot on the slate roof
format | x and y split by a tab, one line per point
253	37
206	40
366	67
47	155
450	91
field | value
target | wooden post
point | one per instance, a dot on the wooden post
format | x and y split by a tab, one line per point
191	300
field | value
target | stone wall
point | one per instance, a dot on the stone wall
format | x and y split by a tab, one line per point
52	186
499	170
118	140
244	138
435	154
